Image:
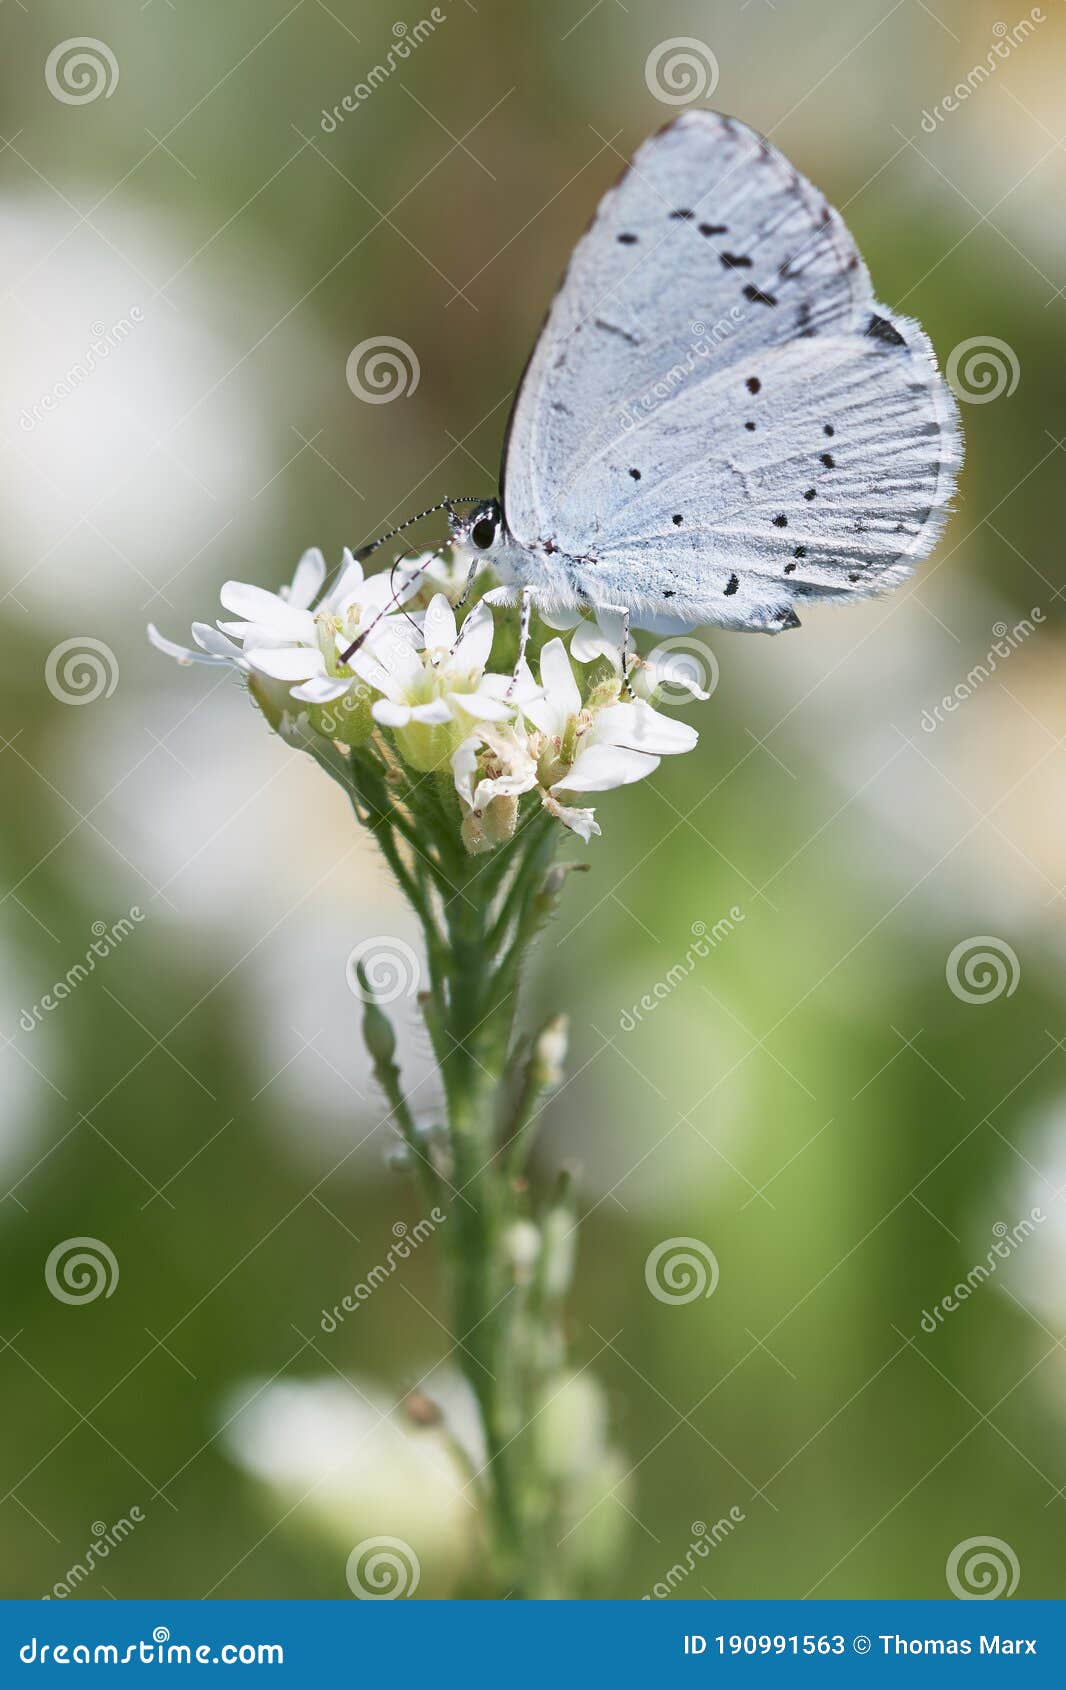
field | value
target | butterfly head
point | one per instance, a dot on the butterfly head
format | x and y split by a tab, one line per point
480	528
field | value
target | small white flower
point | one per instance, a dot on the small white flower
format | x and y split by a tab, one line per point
594	748
602	638
492	769
285	638
432	697
573	747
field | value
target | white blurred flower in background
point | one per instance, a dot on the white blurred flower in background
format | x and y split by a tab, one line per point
341	1456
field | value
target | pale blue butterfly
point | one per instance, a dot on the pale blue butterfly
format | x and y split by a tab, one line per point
718	421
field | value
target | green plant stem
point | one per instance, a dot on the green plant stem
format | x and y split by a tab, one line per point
479	917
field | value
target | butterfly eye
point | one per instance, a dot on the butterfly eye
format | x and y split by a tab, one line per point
483	533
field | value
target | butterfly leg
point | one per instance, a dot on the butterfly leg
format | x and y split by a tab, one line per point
475	564
525	617
622	610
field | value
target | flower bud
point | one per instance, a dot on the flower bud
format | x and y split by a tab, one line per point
378	1032
549	1052
521	1245
484	829
571	1427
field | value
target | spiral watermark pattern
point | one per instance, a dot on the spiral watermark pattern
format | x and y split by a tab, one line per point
79	1270
982	1569
681	70
982	969
81	670
982	369
382	1569
381	369
78	71
389	966
684	668
680	1270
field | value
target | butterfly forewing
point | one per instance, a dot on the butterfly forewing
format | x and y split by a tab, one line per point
718	418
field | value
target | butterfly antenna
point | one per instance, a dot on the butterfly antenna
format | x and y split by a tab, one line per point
363	552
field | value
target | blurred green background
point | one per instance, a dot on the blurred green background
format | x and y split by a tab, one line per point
813	1102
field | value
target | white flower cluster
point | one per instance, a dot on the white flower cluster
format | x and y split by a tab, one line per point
425	682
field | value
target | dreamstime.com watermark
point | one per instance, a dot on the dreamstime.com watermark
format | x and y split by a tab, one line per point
704	340
81	670
105	940
1007	1240
1006	40
681	70
104	342
982	969
704	1539
982	1569
105	1538
408	1239
381	369
406	39
681	1270
389	966
704	940
157	1650
80	70
1006	641
383	1569
79	1270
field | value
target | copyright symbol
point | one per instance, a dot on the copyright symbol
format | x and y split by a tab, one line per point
861	1645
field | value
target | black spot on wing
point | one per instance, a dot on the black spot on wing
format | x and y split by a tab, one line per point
757	296
734	261
731	586
879	328
613	328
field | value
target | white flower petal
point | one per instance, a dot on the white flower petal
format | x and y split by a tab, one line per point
390	589
210	640
309	576
180	653
321	689
433	713
287	663
255	604
439	625
563	620
598	768
581	822
464	768
389	713
590	643
673	669
481	705
557	679
640	726
475	638
393	668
